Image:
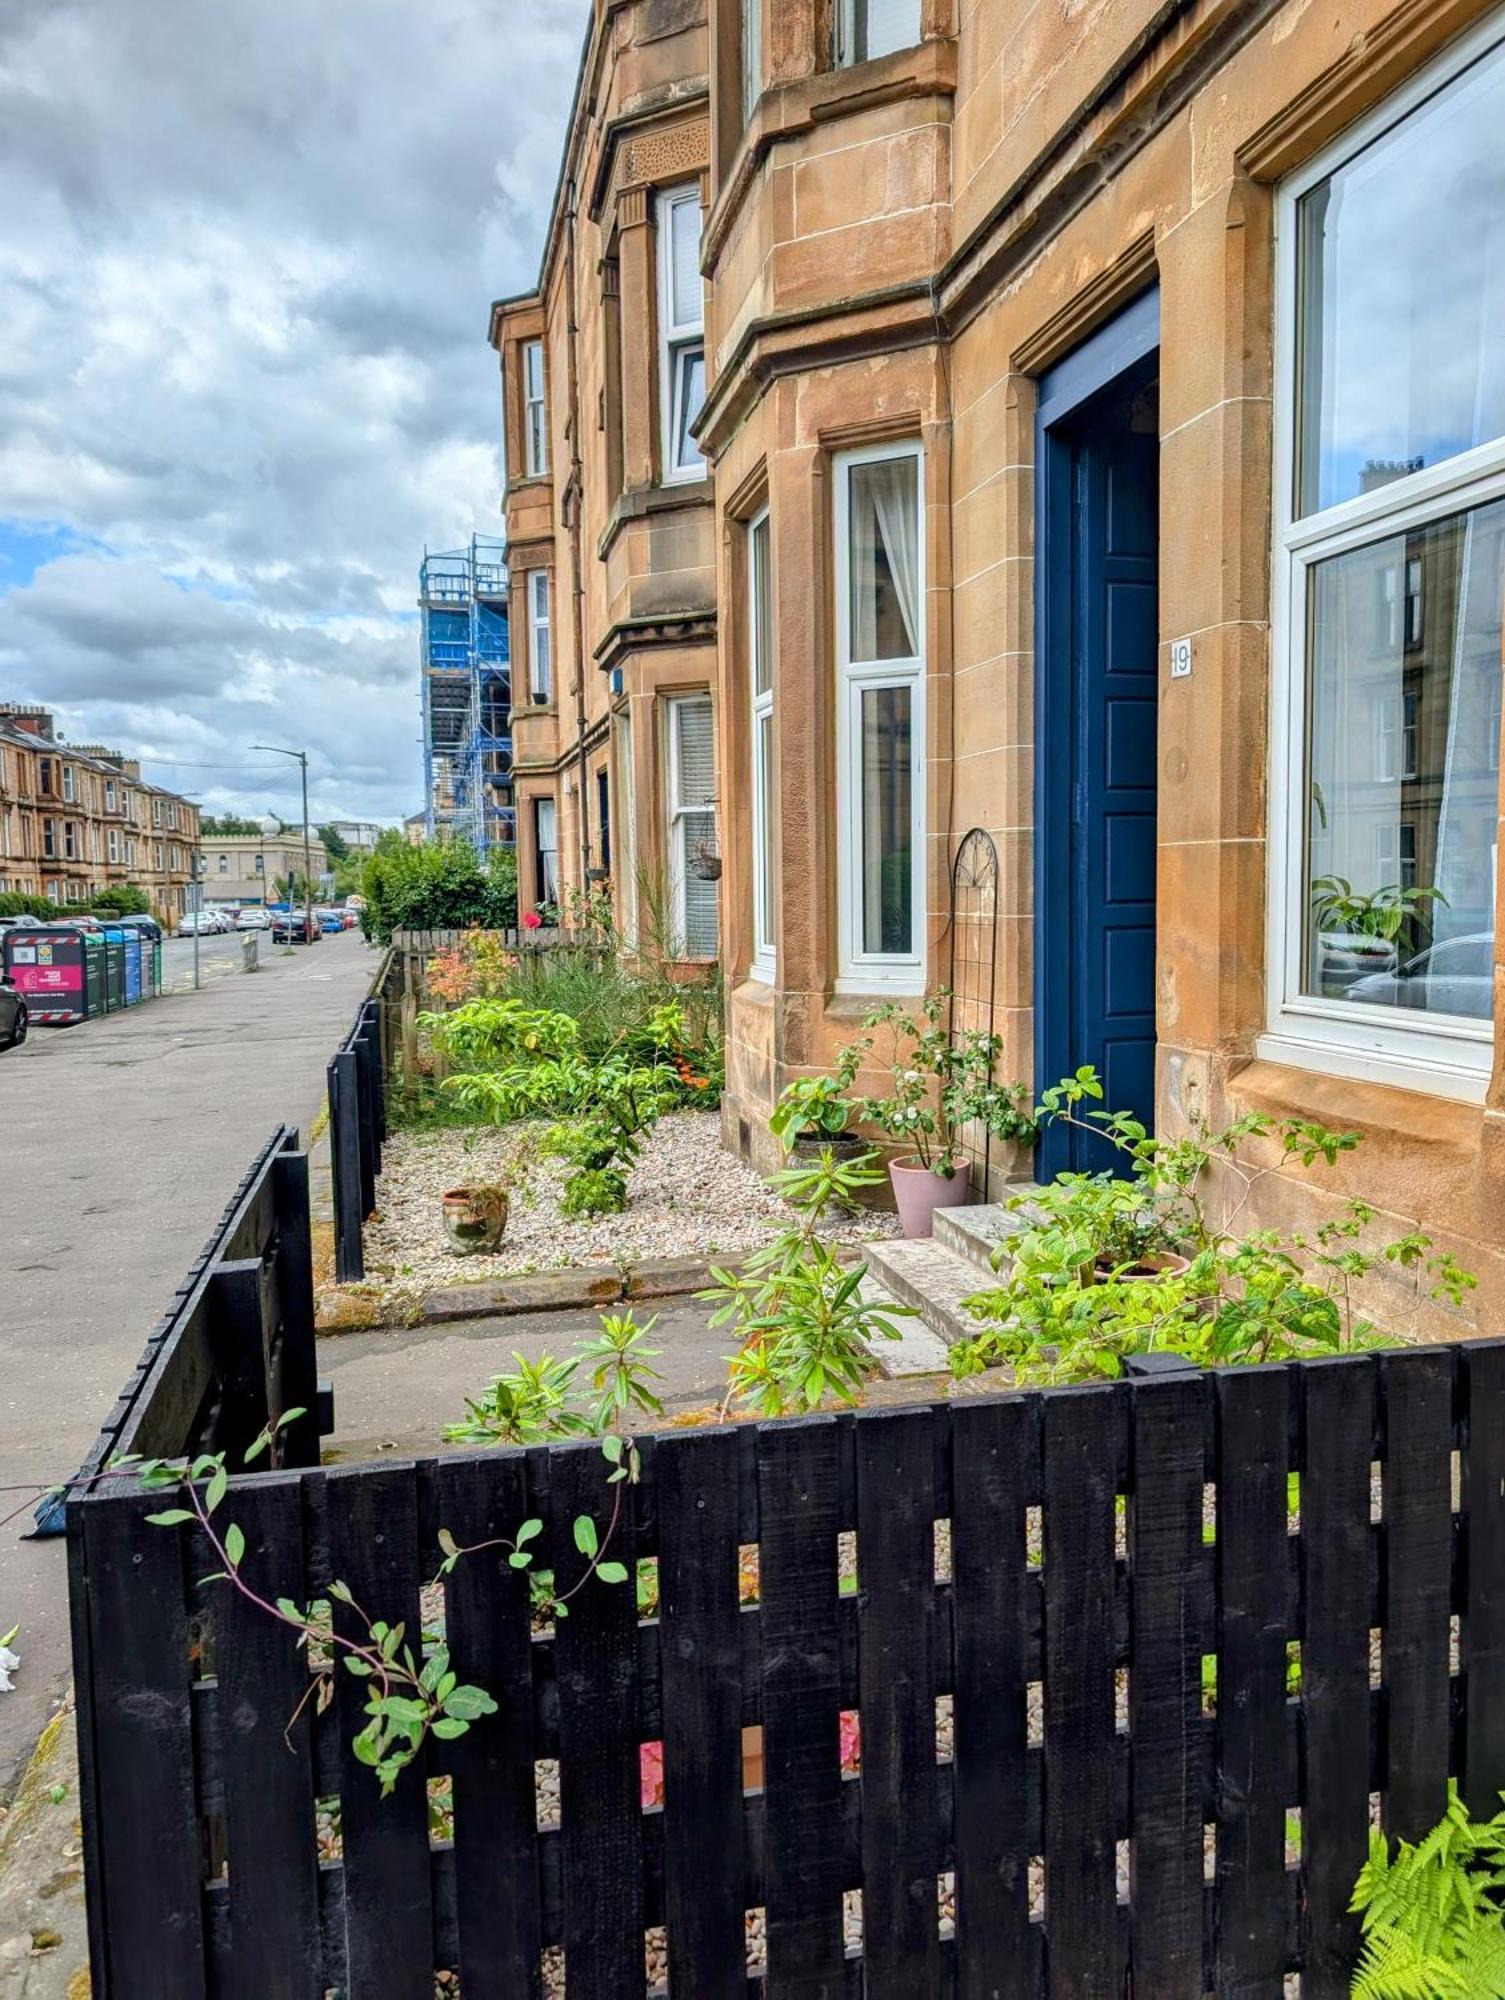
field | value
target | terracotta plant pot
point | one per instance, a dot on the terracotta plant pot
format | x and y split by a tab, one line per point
474	1218
918	1193
1155	1265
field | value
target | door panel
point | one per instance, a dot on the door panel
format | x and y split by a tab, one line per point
1099	791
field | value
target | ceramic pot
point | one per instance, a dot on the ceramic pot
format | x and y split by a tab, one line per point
1156	1265
847	1146
474	1218
918	1193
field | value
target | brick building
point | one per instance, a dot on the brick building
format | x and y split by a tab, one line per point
1104	410
76	819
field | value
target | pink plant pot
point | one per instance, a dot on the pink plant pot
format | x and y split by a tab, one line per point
918	1193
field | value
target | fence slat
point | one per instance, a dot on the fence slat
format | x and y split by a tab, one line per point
1082	1430
1483	1621
995	1477
1338	1434
1418	1390
373	1547
487	1626
297	1369
600	1798
1165	1695
896	1702
270	1831
797	1498
151	1875
701	1675
1253	1569
343	1083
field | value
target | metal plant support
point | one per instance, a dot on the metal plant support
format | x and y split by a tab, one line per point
972	974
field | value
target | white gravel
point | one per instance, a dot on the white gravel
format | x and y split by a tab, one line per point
686	1197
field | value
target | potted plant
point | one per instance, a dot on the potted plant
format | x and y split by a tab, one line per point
939	1085
813	1112
474	1217
1103	1228
1359	934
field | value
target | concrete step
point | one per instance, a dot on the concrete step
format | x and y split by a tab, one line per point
917	1351
975	1232
924	1274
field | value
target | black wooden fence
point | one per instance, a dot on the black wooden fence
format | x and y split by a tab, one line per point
1128	1694
356	1083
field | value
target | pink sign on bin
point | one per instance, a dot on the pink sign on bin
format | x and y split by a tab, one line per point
50	972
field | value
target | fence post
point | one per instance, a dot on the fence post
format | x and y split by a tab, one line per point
345	1151
366	1123
238	1344
297	1364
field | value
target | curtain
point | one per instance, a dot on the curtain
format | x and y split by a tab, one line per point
885	511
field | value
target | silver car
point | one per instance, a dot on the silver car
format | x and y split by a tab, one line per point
1456	976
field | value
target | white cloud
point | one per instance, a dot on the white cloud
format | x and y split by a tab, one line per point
244	272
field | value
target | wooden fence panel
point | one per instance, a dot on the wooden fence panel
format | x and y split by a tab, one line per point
1130	1560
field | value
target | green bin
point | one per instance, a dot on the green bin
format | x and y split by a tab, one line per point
114	951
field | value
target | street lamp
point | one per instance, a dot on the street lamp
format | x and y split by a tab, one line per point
301	756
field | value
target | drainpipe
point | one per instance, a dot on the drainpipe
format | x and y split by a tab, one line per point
577	582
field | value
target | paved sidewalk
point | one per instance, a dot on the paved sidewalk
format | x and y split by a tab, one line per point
120	1143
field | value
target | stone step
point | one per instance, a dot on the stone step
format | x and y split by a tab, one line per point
917	1351
975	1232
924	1274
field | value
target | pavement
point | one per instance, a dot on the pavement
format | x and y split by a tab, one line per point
120	1142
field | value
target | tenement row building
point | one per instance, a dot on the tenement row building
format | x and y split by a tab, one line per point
76	819
1082	423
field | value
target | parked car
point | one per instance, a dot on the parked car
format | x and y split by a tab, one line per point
295	927
253	918
204	923
12	1014
331	922
148	927
1456	976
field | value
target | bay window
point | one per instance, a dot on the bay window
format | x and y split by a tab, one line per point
693	870
869	28
540	661
760	677
535	416
681	318
1390	578
880	718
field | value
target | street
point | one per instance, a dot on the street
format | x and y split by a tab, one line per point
120	1143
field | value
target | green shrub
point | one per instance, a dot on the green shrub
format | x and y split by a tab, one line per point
435	885
125	899
594	1191
13	904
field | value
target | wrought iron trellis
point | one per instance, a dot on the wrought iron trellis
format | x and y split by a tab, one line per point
972	974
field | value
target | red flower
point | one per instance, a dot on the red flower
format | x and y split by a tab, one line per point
532	920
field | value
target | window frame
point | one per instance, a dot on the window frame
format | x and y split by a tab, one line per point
859	971
540	873
677	339
844	35
535	438
675	810
540	686
750	24
763	964
625	860
1446	1055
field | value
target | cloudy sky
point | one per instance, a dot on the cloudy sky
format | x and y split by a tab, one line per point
246	252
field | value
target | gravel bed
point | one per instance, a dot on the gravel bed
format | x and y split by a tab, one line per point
686	1197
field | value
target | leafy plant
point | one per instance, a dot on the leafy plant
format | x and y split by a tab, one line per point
1434	1913
618	1362
478	967
812	1107
524	1405
594	1191
490	1033
802	1320
940	1084
1338	906
1073	1304
435	885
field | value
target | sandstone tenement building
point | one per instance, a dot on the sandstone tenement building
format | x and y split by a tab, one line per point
1082	423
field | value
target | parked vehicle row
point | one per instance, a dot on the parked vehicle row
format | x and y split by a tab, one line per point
213	921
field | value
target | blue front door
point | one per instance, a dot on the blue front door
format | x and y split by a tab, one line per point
1096	764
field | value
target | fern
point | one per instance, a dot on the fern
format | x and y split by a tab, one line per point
1434	1914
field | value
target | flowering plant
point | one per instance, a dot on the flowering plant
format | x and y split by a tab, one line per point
532	920
940	1084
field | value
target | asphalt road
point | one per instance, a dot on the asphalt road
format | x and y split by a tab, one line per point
120	1142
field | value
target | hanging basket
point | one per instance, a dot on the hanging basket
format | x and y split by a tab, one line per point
705	861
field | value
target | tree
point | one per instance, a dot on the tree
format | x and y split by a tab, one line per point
229	825
336	846
436	885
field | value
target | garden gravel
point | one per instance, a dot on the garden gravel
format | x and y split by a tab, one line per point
686	1197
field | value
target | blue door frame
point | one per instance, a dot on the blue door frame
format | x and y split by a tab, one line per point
1121	353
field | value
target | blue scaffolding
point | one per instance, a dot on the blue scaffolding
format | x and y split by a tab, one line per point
467	694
